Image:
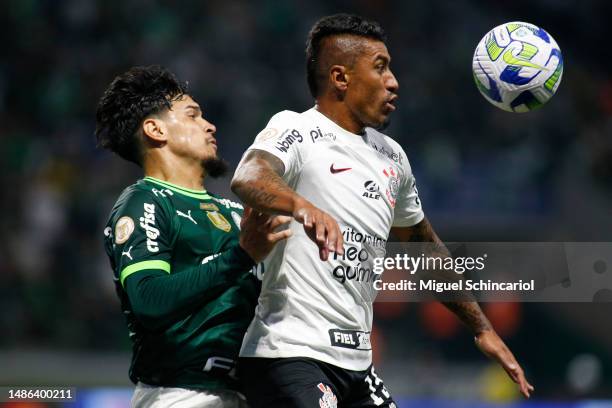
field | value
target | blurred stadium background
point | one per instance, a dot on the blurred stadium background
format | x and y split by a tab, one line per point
483	175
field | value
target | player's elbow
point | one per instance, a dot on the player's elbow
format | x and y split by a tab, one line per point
148	320
145	305
238	183
245	176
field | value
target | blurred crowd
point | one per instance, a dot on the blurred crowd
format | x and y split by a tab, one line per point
483	174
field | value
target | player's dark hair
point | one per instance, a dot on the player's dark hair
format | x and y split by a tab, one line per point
336	24
128	100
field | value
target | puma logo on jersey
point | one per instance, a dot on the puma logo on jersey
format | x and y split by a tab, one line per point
147	223
188	216
334	170
128	253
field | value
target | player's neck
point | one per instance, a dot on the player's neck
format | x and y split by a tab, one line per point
175	171
339	113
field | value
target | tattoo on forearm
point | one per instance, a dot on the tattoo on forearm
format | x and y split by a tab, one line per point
262	187
470	314
259	198
466	308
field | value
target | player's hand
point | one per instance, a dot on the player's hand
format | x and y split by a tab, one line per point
321	228
494	347
258	233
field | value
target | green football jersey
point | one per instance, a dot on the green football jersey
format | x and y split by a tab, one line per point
187	289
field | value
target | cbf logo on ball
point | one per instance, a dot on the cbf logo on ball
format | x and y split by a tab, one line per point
517	66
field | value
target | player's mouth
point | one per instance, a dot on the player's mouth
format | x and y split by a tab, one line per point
213	142
390	103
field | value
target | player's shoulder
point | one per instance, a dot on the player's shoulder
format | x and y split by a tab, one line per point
287	119
387	146
286	116
138	197
140	190
297	120
284	128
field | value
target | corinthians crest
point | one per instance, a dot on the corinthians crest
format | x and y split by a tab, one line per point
393	186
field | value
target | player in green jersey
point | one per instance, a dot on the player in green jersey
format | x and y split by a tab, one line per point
184	259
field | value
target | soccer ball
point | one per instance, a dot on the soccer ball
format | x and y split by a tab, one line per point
517	66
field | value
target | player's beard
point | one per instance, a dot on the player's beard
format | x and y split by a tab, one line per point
383	125
215	167
380	125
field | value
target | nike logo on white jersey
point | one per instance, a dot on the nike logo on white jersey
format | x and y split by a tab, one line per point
128	253
334	170
188	216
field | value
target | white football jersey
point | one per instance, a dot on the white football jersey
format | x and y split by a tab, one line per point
323	310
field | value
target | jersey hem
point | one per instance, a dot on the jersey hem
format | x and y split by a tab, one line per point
410	223
217	385
302	352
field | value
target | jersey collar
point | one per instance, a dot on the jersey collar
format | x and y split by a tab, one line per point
199	194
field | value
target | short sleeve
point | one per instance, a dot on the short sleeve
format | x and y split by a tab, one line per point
139	235
284	138
408	210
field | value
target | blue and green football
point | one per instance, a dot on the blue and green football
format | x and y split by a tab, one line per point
517	66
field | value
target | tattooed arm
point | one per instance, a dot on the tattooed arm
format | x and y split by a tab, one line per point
259	184
468	311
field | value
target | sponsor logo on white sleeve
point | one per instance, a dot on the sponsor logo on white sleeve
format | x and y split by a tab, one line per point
287	139
266	134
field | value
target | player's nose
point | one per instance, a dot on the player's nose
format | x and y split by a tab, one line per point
391	83
209	127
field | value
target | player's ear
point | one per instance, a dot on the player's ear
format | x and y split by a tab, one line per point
155	129
339	77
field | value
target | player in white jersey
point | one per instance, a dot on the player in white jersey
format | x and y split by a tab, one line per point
309	342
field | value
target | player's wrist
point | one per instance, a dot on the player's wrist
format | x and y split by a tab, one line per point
247	255
299	204
484	332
